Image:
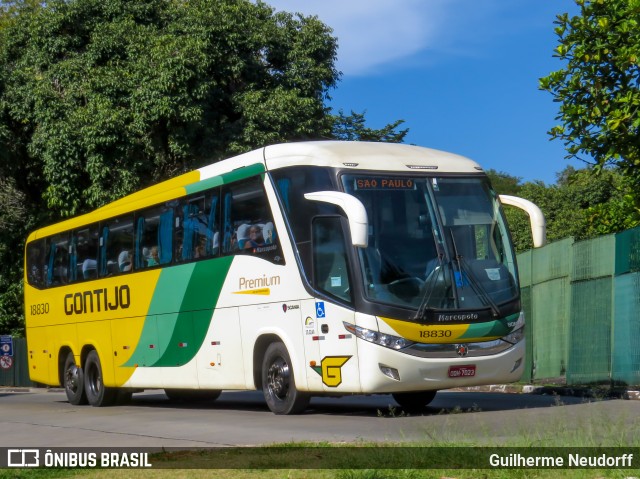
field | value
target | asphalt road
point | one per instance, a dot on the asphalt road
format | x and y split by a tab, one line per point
41	418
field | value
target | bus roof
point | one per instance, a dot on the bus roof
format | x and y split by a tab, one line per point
366	155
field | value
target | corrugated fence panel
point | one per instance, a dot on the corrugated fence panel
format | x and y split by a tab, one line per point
551	262
628	251
594	258
590	331
524	268
626	330
528	314
550	320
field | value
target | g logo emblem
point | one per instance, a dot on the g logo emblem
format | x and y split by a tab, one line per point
331	370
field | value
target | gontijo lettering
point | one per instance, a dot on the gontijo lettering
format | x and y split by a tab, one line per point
103	299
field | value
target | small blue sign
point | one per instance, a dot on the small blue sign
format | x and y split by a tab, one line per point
320	310
6	345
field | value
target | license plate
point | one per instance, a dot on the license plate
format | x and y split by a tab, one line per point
462	371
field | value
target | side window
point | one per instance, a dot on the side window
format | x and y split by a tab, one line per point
36	270
116	246
58	260
198	231
330	264
154	237
292	184
247	222
84	253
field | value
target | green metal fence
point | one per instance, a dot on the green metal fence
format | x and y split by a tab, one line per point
582	302
18	373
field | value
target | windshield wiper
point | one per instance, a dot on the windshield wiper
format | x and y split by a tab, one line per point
464	269
429	288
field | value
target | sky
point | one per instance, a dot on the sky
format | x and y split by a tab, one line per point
463	74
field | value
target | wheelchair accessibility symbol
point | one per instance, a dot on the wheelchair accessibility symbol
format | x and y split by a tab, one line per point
320	310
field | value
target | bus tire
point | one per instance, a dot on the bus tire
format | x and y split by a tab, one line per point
73	378
414	401
278	383
193	395
97	394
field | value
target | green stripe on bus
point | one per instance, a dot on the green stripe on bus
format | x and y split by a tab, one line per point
199	301
180	313
490	329
235	175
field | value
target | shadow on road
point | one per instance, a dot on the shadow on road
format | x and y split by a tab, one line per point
446	402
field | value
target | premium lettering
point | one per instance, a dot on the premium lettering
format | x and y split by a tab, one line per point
97	300
251	283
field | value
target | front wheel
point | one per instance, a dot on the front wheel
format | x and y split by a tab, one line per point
97	394
414	401
73	377
278	383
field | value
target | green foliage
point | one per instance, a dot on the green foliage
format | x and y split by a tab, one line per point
504	183
583	204
99	98
598	90
110	95
353	128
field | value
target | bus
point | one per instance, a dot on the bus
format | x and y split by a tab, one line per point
302	269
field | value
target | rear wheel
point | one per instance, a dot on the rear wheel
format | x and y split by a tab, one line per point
73	377
414	401
193	395
278	383
97	394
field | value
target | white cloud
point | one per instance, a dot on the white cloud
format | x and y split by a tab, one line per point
375	33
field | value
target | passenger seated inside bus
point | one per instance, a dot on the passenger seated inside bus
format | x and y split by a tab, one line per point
253	235
89	268
124	261
153	259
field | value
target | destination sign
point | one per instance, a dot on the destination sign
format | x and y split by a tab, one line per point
384	183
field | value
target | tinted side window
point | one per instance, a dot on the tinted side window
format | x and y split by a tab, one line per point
291	184
197	233
85	243
330	261
116	246
36	271
58	261
154	237
247	222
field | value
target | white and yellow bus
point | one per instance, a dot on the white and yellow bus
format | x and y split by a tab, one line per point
303	269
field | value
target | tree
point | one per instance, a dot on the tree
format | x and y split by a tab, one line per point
581	204
353	128
504	183
103	97
99	98
599	89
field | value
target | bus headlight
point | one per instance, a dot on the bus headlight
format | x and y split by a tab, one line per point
517	334
387	340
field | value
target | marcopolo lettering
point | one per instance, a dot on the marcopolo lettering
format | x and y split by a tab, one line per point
97	300
457	317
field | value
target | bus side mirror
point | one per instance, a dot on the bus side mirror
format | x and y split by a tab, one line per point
536	218
352	207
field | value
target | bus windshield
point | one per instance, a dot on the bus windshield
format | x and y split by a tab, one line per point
435	243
